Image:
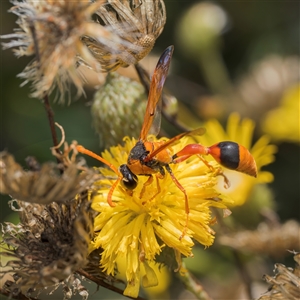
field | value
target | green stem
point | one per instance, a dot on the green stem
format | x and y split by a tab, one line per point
192	285
214	70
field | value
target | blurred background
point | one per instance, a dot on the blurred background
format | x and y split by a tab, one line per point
229	57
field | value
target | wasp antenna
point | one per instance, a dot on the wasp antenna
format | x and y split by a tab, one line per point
83	150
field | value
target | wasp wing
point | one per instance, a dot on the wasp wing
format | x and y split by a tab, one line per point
156	87
156	122
175	139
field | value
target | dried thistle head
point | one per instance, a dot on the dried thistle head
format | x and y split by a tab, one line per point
285	285
48	246
62	35
262	88
137	22
50	182
266	239
51	31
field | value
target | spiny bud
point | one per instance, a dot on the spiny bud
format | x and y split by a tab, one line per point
118	109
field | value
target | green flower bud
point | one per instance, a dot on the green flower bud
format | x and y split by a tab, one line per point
201	27
118	109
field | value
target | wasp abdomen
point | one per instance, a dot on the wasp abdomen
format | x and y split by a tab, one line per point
234	156
229	154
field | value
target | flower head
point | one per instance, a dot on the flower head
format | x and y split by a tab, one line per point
119	99
143	223
46	183
285	284
261	89
57	26
266	239
288	113
48	246
241	131
53	32
137	24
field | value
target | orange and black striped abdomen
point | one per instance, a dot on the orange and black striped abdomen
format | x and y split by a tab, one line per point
234	156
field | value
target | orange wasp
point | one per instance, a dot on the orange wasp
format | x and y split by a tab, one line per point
149	158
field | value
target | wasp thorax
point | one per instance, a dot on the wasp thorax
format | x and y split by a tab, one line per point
138	152
129	180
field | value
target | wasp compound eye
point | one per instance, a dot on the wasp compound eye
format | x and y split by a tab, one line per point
129	180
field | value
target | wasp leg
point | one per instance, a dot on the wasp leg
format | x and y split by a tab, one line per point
157	176
110	193
218	171
148	182
199	150
187	208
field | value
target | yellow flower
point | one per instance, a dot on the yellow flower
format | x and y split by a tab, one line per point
160	291
241	131
137	228
282	123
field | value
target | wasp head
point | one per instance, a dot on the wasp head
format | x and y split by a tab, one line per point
129	180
